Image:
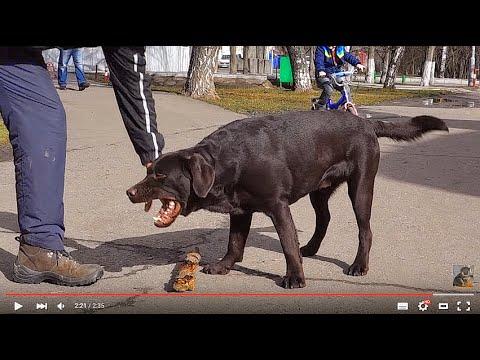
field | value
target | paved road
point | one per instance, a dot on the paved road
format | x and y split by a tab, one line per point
425	219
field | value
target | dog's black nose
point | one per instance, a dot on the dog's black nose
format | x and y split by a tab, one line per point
131	192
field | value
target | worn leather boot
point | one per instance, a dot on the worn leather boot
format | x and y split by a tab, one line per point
35	265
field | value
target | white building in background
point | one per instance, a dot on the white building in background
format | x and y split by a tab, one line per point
166	59
159	58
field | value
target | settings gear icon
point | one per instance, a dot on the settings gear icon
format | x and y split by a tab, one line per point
423	305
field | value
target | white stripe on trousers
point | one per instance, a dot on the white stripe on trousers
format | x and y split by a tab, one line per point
145	107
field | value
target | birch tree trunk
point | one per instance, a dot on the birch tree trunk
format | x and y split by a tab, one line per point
300	69
443	61
370	77
427	67
203	63
396	56
471	74
233	60
453	61
312	62
386	62
432	74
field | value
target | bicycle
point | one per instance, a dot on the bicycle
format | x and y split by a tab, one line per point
345	101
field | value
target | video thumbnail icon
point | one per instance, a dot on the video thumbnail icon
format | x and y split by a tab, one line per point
463	276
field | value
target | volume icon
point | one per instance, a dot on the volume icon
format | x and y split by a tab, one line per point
60	306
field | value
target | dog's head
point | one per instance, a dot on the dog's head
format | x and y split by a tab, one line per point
173	179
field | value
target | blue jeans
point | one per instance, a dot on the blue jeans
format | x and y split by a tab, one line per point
33	113
63	60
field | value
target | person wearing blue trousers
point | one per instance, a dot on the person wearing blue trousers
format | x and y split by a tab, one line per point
63	59
34	115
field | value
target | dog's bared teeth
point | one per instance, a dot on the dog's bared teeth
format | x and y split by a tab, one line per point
167	214
159	216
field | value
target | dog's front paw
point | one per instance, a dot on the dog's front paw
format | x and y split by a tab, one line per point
216	269
357	270
293	281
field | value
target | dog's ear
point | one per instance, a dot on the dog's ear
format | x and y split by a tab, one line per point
203	174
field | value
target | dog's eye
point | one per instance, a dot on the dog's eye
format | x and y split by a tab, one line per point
159	176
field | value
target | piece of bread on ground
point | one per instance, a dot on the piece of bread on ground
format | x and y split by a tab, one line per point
185	280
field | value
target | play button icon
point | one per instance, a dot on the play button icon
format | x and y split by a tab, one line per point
17	306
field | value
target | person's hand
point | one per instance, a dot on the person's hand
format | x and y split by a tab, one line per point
361	67
322	73
149	167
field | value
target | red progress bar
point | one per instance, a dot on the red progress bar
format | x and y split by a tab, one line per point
220	294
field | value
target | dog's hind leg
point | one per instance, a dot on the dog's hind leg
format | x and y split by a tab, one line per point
239	229
360	191
319	200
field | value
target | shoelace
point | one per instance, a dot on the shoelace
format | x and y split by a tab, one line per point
58	254
63	253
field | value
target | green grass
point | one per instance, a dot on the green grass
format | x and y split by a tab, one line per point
257	99
3	133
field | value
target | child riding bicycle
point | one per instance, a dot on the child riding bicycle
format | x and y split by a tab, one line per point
328	61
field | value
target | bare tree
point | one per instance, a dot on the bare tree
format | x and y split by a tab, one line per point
432	73
427	67
246	57
456	60
386	63
203	63
443	62
252	66
471	74
370	77
396	56
312	61
233	60
259	62
301	71
413	60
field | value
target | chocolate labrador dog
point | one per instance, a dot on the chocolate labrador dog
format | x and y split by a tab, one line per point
264	164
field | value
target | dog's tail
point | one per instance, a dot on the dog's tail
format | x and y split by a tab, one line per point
408	130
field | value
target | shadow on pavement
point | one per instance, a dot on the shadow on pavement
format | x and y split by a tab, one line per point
170	248
450	162
157	249
6	264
